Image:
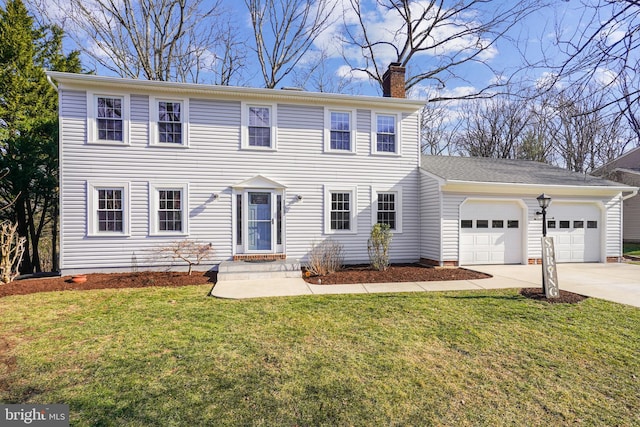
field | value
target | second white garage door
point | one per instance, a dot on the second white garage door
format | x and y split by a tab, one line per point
491	233
575	228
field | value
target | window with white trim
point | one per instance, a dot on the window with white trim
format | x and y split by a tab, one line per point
259	127
169	122
340	206
107	118
169	214
385	135
340	131
386	208
107	209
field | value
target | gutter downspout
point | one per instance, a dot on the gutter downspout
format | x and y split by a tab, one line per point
53	85
628	196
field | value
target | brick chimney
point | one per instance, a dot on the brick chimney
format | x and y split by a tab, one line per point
393	81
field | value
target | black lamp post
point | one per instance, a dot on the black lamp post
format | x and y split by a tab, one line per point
543	201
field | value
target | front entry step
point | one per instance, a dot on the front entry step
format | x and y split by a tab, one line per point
250	270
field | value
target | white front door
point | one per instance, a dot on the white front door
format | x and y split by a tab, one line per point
260	221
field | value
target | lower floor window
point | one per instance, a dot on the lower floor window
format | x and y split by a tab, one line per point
110	210
170	210
387	209
340	211
107	208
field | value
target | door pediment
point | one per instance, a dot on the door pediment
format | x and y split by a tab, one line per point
259	182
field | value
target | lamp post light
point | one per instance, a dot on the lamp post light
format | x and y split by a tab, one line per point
543	201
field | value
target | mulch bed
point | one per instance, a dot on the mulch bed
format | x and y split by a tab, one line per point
105	281
349	275
565	297
395	273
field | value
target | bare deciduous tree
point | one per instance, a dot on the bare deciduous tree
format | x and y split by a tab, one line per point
284	32
438	126
604	51
493	128
581	132
170	40
188	251
11	251
432	38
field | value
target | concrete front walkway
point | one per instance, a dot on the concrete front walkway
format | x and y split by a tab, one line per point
613	282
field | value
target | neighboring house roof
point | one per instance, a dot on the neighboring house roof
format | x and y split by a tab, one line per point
628	160
83	81
486	170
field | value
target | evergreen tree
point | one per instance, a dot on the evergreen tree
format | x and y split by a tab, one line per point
29	124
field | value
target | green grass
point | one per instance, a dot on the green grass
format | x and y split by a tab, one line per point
171	356
631	249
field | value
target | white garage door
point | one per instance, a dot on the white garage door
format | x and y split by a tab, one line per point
576	229
490	233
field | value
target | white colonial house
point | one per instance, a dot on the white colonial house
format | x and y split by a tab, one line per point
264	173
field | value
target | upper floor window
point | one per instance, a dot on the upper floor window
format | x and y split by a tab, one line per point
107	118
340	131
110	119
107	208
259	126
385	138
169	122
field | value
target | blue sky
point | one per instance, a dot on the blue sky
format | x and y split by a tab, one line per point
534	35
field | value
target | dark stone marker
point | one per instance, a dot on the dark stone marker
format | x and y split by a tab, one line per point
549	272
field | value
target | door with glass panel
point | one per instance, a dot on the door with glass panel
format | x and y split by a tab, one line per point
259	221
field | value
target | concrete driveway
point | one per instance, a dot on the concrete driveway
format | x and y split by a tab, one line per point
618	282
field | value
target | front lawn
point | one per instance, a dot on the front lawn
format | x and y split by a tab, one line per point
631	249
172	356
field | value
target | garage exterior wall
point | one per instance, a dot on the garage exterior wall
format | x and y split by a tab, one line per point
614	228
430	218
450	222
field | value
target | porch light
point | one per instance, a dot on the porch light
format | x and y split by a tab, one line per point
299	197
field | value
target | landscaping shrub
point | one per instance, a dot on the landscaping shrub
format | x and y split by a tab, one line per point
324	258
378	246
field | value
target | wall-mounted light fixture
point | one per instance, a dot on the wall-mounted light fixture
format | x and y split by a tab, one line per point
299	197
215	196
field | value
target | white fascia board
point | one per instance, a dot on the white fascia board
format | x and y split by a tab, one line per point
440	180
533	189
84	81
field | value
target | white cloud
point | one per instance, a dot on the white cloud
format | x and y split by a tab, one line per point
344	71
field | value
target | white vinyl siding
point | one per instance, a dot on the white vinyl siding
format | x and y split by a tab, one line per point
108	118
430	218
213	163
613	227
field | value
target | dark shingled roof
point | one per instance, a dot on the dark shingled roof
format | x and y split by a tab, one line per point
481	169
